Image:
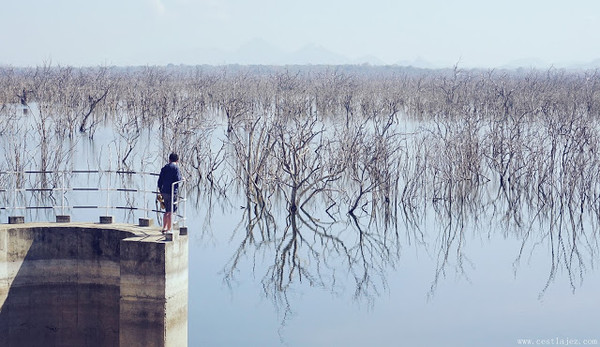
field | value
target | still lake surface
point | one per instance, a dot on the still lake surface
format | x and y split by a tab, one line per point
484	284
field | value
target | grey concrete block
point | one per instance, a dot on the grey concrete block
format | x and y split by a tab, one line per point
63	218
146	222
106	219
16	219
183	231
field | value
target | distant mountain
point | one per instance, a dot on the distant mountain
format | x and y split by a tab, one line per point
257	51
535	63
261	52
594	64
527	63
368	59
212	56
315	54
419	62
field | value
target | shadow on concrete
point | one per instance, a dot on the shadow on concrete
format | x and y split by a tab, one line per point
59	286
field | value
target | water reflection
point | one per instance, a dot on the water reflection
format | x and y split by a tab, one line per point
364	229
321	201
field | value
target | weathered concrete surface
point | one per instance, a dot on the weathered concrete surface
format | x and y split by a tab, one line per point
154	282
85	284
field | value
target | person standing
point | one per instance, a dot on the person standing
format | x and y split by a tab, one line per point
169	174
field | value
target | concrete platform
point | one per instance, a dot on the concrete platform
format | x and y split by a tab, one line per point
92	284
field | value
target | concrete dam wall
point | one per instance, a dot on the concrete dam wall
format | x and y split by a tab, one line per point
86	284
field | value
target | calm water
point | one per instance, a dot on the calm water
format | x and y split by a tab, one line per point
490	302
484	284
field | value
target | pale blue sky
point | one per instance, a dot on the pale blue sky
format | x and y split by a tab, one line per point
140	32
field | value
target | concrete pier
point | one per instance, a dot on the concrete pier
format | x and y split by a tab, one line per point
88	284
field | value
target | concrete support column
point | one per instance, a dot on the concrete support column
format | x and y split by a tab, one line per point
154	290
176	292
92	285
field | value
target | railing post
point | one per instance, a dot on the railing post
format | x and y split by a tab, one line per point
181	187
173	207
108	191
183	230
64	189
14	204
145	201
14	218
62	217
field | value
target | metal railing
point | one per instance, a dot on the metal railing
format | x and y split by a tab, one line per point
61	192
176	200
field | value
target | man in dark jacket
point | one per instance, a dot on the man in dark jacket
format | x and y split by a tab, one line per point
169	174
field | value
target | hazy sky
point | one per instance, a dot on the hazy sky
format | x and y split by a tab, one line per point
140	32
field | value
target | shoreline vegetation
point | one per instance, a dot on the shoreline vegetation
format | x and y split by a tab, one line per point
375	147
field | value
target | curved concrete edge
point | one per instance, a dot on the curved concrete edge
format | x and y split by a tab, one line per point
59	281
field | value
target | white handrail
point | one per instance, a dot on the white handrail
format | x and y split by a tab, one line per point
15	201
181	192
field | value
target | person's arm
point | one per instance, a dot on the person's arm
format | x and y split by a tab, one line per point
160	180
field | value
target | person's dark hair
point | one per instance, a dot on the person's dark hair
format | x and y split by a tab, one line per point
173	157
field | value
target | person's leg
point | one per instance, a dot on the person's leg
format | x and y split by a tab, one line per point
167	221
168	211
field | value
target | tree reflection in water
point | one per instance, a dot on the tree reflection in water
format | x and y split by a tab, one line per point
374	192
